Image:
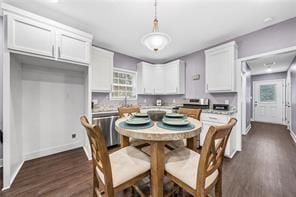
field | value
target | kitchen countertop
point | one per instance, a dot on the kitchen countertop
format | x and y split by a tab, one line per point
106	111
212	111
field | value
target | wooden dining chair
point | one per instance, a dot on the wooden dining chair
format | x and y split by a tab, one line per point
189	112
197	173
116	171
124	112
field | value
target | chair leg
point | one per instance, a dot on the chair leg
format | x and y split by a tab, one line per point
218	186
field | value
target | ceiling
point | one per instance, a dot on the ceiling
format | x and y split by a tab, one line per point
119	25
272	64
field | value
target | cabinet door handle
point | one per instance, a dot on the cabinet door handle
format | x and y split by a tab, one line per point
144	90
52	50
212	118
176	89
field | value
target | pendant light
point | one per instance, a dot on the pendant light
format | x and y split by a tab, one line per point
156	40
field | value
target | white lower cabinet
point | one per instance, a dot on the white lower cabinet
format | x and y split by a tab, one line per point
208	120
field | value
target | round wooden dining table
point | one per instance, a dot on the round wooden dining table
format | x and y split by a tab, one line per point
157	138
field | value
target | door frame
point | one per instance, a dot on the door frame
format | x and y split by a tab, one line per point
241	100
283	82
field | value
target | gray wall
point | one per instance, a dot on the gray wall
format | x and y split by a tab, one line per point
128	63
281	35
293	95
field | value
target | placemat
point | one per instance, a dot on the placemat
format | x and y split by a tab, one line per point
124	125
175	128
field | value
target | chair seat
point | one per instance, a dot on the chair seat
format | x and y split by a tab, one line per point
182	163
126	164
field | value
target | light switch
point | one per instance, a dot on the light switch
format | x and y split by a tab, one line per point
226	102
95	101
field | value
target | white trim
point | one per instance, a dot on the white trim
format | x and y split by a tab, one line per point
14	176
284	50
88	155
52	150
293	135
231	156
1	163
247	130
7	8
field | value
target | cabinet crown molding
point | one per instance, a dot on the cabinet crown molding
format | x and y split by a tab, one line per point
9	9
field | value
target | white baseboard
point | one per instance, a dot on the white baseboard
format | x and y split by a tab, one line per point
1	163
52	150
247	130
14	175
230	156
293	135
89	157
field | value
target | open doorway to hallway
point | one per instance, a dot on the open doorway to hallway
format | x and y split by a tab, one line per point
267	89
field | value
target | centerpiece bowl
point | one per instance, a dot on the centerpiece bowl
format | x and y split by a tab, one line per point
156	115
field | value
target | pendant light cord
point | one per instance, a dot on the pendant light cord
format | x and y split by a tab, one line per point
155	22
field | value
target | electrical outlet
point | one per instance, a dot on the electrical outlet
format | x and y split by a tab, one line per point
73	135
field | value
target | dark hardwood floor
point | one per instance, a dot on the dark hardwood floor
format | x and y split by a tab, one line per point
265	168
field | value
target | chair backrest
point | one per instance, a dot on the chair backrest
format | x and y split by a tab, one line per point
100	155
212	153
124	111
193	113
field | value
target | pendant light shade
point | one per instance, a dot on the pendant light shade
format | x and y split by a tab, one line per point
156	40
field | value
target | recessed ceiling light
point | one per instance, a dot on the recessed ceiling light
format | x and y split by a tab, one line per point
269	70
268	19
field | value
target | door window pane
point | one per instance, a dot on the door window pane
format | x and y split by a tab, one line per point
267	93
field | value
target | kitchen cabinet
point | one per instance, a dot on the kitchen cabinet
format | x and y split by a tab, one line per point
72	47
211	119
175	77
161	79
220	68
145	79
102	70
30	36
34	35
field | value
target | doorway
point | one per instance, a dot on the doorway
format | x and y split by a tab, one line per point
269	101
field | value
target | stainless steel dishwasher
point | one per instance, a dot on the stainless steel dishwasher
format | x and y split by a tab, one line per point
106	121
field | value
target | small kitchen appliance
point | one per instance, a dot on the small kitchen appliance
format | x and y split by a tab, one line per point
223	107
202	103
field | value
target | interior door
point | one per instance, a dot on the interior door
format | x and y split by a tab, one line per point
269	101
288	100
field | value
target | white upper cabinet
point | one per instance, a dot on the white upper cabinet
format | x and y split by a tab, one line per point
158	79
30	36
34	35
145	78
102	70
175	77
161	78
220	68
73	47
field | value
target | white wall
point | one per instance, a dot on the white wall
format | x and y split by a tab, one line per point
16	156
1	83
52	102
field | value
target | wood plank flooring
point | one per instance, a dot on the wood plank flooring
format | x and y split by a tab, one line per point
265	168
